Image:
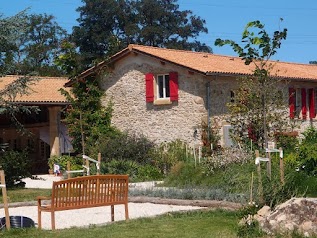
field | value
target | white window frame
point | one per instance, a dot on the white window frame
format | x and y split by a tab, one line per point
164	86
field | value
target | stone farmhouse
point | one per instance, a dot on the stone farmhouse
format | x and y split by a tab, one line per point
167	94
49	134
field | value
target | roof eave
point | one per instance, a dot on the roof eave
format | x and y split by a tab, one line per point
35	103
241	75
102	64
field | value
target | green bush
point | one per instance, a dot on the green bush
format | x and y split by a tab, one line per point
185	174
136	172
124	146
149	172
139	157
288	143
304	157
16	166
297	184
76	163
168	154
250	229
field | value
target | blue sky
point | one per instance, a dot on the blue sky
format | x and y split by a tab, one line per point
225	19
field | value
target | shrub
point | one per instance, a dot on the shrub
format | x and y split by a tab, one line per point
305	156
168	154
288	143
16	166
76	163
148	172
248	226
136	172
224	158
185	174
297	183
124	146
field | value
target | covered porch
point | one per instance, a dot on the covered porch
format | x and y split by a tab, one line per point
45	135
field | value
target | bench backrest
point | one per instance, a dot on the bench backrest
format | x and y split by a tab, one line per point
90	191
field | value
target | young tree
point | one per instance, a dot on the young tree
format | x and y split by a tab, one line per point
259	104
86	118
105	27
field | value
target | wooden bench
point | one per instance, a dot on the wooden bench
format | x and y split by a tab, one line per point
85	192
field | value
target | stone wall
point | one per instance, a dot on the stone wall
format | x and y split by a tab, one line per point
125	87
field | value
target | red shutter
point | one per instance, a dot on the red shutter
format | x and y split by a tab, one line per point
304	107
292	99
149	87
311	98
173	86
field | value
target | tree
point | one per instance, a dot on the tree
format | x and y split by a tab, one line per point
258	107
14	163
68	59
105	27
11	28
86	118
38	46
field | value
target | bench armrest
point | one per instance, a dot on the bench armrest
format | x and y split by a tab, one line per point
40	198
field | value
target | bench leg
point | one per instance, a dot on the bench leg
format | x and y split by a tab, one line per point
112	212
39	219
53	220
126	211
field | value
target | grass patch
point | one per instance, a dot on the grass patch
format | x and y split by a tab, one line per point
25	194
172	225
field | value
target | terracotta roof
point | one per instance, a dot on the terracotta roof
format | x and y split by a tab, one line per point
210	64
44	90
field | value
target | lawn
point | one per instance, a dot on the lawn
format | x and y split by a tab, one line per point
26	194
200	224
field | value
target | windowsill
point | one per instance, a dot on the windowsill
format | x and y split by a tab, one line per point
162	101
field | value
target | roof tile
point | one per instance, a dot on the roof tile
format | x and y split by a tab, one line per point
208	63
45	90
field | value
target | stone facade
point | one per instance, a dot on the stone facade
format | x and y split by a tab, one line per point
124	86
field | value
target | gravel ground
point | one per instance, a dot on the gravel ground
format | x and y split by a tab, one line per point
90	216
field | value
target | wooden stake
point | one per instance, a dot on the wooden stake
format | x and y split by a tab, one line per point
260	189
251	189
269	165
68	169
87	167
99	163
281	166
5	199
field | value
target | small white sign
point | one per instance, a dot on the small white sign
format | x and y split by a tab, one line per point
271	145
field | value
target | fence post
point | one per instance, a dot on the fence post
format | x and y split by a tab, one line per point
5	200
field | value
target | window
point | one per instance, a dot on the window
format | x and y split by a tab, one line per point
302	103
298	102
232	96
163	88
